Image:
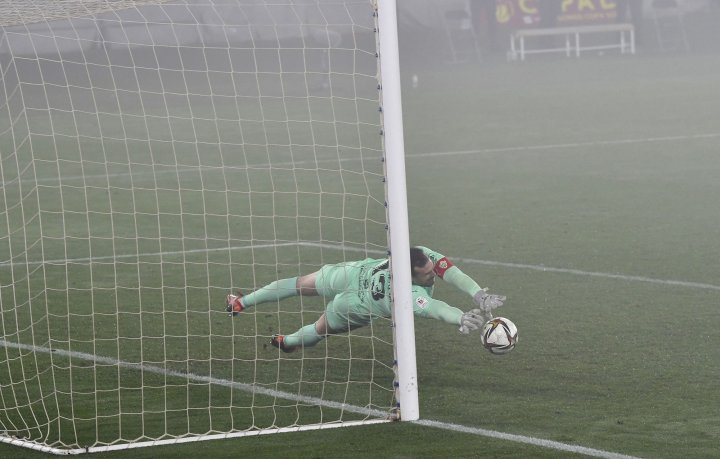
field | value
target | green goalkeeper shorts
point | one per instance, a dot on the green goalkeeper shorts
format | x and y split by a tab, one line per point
333	280
346	312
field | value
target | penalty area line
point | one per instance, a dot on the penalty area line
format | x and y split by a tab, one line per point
254	389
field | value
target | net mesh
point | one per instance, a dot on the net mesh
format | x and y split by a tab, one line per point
154	155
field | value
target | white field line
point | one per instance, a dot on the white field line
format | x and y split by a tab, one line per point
62	261
253	389
541	268
550	444
557	146
174	169
578	272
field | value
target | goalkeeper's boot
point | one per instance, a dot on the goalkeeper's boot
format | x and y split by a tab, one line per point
234	304
278	341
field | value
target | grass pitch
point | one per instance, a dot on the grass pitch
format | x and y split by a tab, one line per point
586	191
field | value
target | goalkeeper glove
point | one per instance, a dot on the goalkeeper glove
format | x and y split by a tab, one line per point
488	302
471	320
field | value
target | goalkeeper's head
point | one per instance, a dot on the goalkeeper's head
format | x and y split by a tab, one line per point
422	268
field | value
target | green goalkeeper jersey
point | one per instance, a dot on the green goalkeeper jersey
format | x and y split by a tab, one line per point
374	288
424	305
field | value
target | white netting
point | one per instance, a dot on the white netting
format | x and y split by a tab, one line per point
33	11
154	155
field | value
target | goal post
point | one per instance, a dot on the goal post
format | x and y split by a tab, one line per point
407	392
156	155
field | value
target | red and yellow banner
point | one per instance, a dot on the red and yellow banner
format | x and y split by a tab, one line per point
516	14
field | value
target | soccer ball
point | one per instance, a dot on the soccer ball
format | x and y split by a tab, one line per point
499	335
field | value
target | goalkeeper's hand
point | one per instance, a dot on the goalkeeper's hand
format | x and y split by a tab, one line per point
471	320
488	302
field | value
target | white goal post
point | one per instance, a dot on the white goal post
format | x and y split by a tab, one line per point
156	155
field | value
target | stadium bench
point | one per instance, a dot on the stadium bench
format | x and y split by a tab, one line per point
572	45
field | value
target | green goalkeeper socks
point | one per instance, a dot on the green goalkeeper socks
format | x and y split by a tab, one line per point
275	291
306	337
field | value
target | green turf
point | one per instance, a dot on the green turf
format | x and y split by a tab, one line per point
606	166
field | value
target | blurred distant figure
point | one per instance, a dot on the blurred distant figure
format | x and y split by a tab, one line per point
633	8
484	19
549	12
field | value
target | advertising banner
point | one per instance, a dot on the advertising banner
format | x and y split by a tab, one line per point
517	14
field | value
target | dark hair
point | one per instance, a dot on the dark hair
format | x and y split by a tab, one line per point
418	259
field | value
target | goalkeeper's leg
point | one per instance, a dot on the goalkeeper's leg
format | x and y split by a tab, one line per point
329	281
307	336
345	312
274	291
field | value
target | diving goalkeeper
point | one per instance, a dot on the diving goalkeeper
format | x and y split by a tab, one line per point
360	291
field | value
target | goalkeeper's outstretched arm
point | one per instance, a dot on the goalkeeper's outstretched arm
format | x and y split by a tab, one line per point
436	309
446	270
486	302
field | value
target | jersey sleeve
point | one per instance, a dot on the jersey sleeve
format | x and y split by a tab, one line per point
461	281
441	262
447	271
426	306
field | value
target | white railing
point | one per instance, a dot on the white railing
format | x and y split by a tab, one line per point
623	40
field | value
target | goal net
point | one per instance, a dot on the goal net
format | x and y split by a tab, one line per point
154	157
